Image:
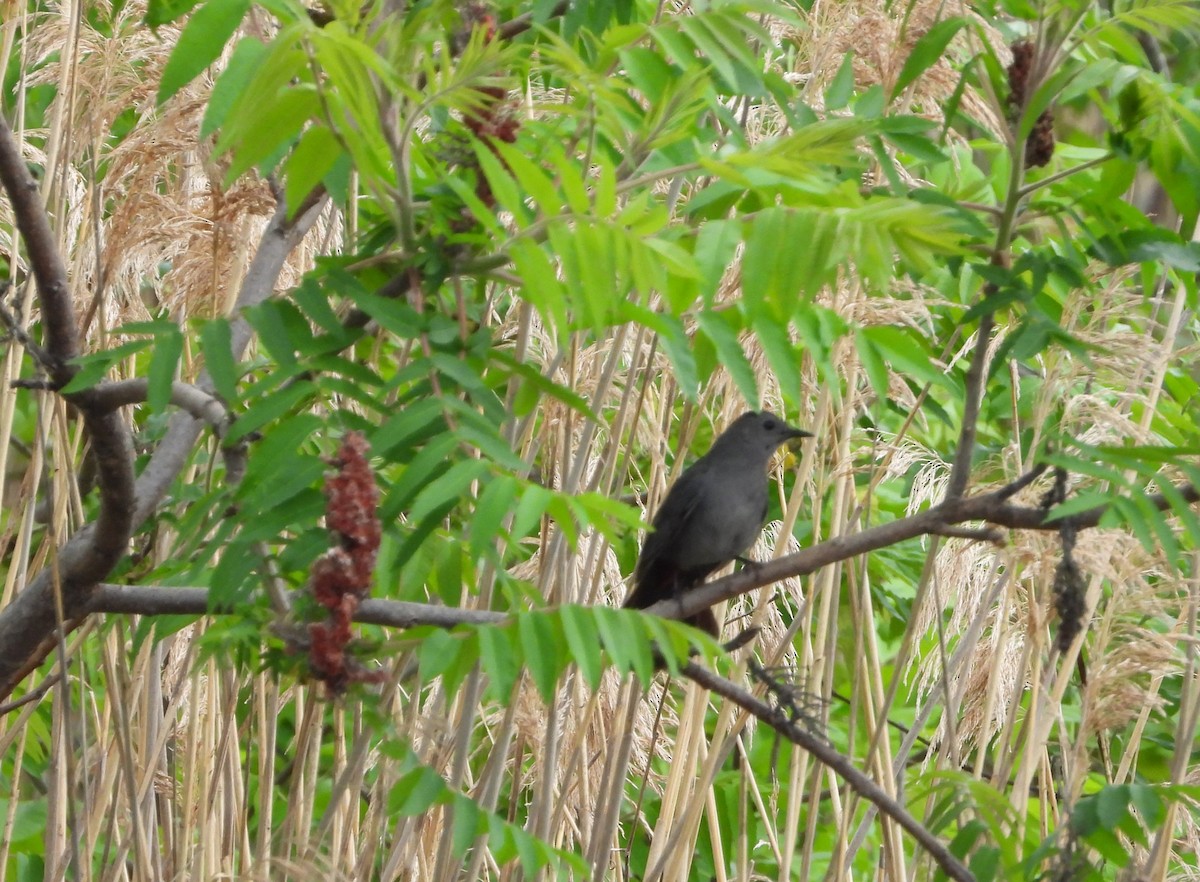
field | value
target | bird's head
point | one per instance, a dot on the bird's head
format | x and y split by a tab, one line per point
758	433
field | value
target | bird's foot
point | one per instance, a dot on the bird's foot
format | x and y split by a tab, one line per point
742	639
747	563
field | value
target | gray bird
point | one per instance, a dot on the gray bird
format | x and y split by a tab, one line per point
711	515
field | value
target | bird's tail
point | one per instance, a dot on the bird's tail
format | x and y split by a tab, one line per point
658	582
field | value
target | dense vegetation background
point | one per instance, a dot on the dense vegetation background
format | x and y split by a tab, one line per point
536	255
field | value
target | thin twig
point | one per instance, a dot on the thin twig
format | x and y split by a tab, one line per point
982	534
18	333
32	695
839	763
1034	186
960	472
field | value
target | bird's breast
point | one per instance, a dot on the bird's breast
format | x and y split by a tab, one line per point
724	525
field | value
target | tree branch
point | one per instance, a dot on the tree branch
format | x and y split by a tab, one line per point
45	262
839	763
168	600
28	624
202	405
960	472
989	507
992	508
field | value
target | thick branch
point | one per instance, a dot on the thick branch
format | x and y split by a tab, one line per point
27	625
46	264
992	508
989	507
200	404
824	753
154	600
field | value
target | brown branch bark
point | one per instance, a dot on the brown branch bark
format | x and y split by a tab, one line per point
164	600
28	625
825	754
989	507
200	404
61	337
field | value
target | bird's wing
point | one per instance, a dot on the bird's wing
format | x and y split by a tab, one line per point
673	518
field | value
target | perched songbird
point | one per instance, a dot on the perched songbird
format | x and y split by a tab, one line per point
711	515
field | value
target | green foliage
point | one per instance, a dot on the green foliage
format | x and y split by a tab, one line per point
625	176
421	788
543	643
203	39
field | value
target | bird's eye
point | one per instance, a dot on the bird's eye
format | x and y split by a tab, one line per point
769	425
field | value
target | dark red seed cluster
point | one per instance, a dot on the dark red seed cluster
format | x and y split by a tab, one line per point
1018	74
496	117
341	577
1039	147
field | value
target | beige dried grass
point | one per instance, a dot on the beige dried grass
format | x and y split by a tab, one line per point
169	208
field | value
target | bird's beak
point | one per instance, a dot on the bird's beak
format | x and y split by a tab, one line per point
795	436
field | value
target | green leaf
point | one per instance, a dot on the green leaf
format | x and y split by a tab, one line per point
504	188
716	245
448	487
626	641
841	87
873	363
161	12
432	461
201	43
1148	803
463	662
820	329
768	255
164	360
583	642
718	326
985	863
541	285
231	574
217	347
782	355
416	792
409	426
678	347
94	367
491	507
1112	805
469	822
1154	245
543	647
533	181
500	656
437	652
900	348
314	155
232	82
276	126
926	51
269	408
